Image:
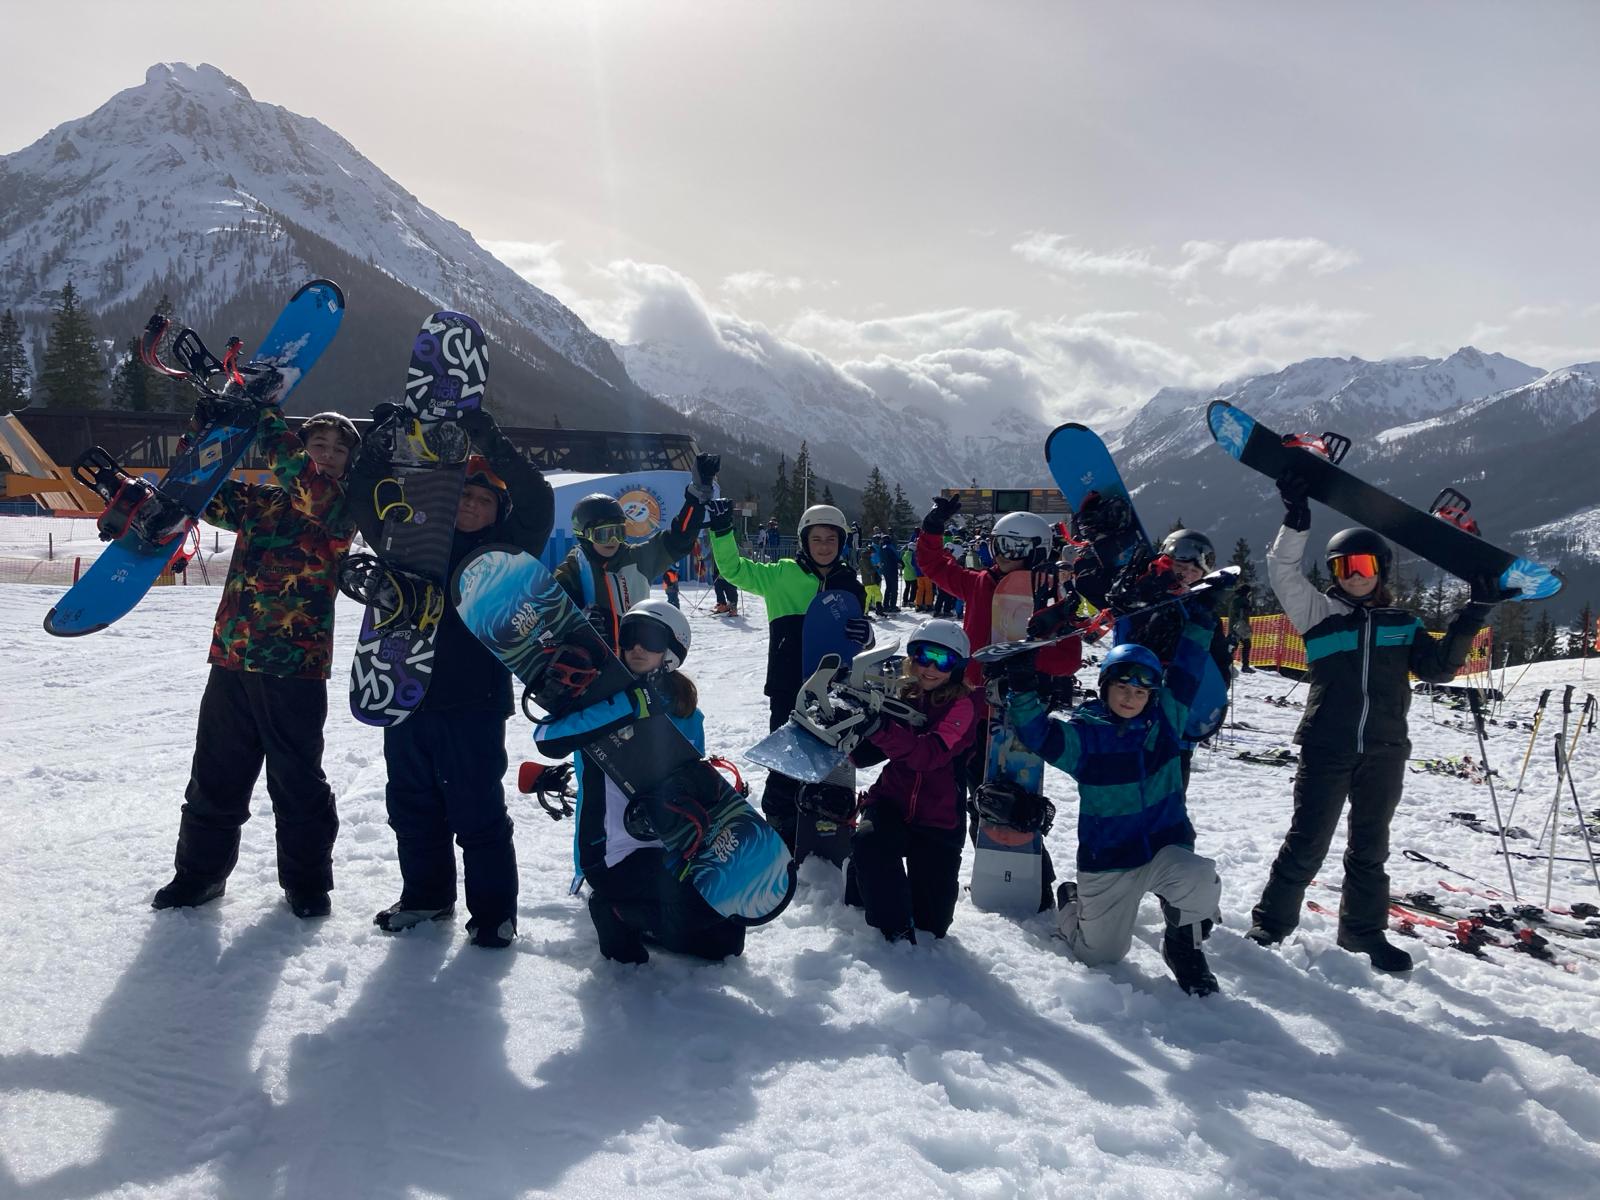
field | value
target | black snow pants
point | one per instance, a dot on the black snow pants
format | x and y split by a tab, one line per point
1324	779
907	875
726	592
246	720
446	772
891	589
662	909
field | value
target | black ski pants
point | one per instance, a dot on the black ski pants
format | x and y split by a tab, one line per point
891	589
726	592
446	772
662	909
1323	781
246	720
907	875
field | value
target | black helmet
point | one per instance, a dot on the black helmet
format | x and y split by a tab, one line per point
1360	541
338	422
597	511
1192	546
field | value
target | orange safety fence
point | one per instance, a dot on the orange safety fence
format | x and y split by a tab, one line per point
1274	643
64	570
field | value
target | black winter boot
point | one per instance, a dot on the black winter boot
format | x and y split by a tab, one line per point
1384	956
1180	950
394	918
1171	915
186	891
308	902
1262	936
498	938
619	941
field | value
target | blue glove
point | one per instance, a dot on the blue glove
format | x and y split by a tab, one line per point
859	631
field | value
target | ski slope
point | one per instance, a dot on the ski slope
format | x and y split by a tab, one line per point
236	1051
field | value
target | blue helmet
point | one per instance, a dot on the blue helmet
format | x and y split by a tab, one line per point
1131	663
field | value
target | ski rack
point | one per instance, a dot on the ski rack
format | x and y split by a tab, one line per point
1331	446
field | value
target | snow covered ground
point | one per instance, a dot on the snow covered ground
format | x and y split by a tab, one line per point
236	1051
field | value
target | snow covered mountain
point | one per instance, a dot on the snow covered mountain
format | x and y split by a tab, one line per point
743	376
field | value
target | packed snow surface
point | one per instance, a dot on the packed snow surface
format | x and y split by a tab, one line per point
236	1051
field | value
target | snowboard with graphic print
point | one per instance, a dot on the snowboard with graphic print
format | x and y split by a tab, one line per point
414	461
826	810
1440	542
714	839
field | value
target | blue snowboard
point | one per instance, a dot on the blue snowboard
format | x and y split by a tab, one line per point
1081	465
826	807
734	859
1463	554
822	631
129	566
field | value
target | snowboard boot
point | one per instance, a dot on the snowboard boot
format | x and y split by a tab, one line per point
1067	893
498	938
186	891
1262	936
1171	914
395	918
908	934
619	941
1180	950
306	903
1377	948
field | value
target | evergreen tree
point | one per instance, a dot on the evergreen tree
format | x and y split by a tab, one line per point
1510	626
901	513
804	483
877	505
131	383
73	374
1241	559
1543	644
827	493
783	505
1580	642
14	389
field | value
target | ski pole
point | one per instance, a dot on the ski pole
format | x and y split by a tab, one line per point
1561	764
1572	748
1518	682
1475	702
1583	826
1538	716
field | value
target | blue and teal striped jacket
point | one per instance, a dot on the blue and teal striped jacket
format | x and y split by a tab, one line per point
1130	780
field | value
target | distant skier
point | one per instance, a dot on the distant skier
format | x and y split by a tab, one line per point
789	586
1134	835
1239	606
447	760
634	899
906	852
1361	652
871	580
889	568
266	698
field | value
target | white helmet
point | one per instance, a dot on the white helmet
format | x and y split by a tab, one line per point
822	514
1022	527
649	616
944	633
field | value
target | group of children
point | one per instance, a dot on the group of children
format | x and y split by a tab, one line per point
1127	747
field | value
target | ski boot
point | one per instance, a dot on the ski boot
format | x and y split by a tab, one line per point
133	505
391	593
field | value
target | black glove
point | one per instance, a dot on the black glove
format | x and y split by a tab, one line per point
1295	490
719	515
944	507
1487	592
479	424
1021	674
859	631
706	467
1054	619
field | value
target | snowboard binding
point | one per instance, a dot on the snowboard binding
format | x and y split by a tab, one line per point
1099	517
1004	802
391	593
400	436
133	505
840	712
1450	506
547	783
561	674
1331	446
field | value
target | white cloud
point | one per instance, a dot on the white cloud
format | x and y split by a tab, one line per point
748	283
1276	330
534	261
1267	260
1531	312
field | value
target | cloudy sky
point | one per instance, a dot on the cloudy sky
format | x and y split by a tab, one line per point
1055	205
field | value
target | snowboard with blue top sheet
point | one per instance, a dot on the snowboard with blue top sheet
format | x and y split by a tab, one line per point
1465	555
826	808
130	565
714	838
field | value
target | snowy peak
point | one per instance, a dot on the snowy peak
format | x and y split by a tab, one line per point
188	184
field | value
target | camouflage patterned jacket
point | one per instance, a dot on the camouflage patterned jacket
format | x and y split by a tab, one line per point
276	615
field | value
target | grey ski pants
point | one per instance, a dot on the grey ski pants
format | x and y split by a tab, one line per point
1099	925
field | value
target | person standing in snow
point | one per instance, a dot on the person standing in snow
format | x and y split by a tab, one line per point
590	572
870	579
789	586
1134	835
889	568
1239	624
1361	651
633	898
447	760
266	698
905	854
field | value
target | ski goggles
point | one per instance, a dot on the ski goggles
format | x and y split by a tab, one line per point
1194	551
652	635
1346	565
929	654
1006	545
604	533
1135	675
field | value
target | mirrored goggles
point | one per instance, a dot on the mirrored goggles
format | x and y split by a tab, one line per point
652	635
1006	545
1135	675
605	533
1346	565
928	654
1193	551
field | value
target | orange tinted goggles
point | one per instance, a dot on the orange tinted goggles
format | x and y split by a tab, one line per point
1347	565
